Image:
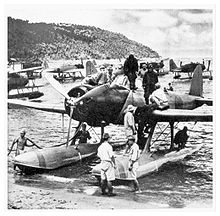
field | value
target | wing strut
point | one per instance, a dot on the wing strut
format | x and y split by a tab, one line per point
149	138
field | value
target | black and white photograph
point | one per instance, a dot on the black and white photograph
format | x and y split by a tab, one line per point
110	106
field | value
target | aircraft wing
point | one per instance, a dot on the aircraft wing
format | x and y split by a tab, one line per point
25	70
38	106
180	115
177	70
54	71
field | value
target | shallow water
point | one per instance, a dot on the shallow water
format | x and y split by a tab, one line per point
174	185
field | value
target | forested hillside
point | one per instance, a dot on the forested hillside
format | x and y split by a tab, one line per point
69	41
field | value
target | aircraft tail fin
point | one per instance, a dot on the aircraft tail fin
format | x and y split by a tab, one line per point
90	68
45	64
172	65
196	87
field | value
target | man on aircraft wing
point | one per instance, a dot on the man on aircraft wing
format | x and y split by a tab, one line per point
149	80
158	97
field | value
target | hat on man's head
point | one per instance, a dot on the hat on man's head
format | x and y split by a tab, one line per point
131	137
106	136
130	108
144	65
157	85
23	131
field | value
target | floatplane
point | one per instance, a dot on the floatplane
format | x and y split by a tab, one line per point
160	67
68	73
23	81
189	69
105	104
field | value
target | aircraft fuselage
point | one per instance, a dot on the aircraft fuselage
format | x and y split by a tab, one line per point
107	105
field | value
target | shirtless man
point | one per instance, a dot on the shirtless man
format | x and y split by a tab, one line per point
21	143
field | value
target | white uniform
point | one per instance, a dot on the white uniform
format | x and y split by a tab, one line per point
134	155
159	97
105	153
129	123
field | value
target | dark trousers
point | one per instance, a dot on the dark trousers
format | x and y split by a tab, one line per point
132	77
142	116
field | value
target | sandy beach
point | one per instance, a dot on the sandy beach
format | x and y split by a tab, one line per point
23	197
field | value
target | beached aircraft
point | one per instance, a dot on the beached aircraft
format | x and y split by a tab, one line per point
189	69
23	81
106	104
71	73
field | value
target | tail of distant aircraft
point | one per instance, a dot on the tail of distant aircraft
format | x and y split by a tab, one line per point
45	64
172	65
90	68
196	87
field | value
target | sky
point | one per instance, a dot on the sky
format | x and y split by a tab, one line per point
170	32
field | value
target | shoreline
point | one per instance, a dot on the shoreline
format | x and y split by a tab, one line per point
25	197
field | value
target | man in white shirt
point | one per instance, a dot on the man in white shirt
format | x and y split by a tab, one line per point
159	97
134	154
105	153
129	122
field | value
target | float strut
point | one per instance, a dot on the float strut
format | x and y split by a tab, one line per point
172	134
149	138
102	130
63	125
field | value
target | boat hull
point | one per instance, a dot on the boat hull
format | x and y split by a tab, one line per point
148	162
54	157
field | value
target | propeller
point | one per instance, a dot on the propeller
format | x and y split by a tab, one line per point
57	86
94	92
70	119
128	101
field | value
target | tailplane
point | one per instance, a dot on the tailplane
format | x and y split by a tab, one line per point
172	65
90	68
196	87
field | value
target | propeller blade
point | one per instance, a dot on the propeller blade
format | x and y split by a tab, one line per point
128	101
68	135
93	92
56	85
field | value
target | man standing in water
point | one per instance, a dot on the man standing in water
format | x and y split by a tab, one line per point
105	153
134	154
21	143
130	69
181	138
82	135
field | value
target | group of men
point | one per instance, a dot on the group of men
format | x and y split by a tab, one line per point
108	164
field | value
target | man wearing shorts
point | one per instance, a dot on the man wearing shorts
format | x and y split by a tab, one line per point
105	153
134	154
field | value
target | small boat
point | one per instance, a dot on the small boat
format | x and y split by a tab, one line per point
54	157
148	162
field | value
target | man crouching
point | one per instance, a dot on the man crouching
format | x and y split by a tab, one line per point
105	153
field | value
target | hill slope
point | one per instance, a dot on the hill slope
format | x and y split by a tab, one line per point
69	41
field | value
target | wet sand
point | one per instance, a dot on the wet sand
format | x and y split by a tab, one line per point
23	197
